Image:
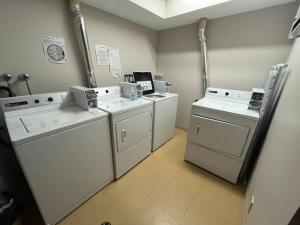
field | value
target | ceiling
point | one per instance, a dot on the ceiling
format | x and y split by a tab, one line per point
164	14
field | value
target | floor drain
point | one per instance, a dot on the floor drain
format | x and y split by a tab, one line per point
106	223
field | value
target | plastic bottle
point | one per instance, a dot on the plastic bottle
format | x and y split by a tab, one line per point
132	94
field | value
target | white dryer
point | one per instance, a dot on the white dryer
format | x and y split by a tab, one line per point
131	127
64	151
221	129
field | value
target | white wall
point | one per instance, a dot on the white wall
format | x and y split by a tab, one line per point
275	183
22	23
242	49
137	44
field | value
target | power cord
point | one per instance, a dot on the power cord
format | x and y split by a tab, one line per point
3	140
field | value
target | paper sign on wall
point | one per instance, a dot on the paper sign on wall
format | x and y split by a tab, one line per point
114	62
102	55
54	49
107	56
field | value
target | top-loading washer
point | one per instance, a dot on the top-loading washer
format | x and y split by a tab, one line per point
164	117
164	107
221	129
131	127
64	150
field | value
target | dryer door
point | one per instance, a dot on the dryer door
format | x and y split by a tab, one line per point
133	130
218	136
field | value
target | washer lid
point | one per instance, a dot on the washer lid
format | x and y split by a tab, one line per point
31	126
120	105
51	119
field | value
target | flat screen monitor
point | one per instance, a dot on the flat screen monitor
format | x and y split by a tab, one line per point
145	80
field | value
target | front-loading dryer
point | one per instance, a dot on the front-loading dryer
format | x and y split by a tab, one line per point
220	132
131	127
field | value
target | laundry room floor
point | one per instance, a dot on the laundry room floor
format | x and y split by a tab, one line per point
164	190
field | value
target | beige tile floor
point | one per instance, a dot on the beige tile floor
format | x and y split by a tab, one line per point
164	190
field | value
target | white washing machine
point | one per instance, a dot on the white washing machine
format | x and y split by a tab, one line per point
165	107
64	151
164	117
131	127
220	132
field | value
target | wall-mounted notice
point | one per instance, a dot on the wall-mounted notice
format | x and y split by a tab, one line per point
54	49
114	62
102	55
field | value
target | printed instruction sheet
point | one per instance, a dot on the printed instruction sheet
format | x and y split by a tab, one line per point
102	55
114	62
108	56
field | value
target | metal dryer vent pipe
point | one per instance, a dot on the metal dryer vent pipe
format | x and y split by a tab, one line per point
203	47
83	42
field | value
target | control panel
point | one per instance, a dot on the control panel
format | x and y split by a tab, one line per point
91	97
84	97
29	101
231	95
257	98
114	91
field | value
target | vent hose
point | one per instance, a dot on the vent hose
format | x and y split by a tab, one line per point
83	42
203	47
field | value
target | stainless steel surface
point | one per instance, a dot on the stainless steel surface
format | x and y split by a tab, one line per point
203	48
83	42
25	77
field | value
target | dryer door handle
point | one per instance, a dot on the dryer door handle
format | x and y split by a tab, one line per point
123	134
198	129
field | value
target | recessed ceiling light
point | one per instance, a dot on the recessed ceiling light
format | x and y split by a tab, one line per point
170	8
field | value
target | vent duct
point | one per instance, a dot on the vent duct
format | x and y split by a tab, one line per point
83	42
202	37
